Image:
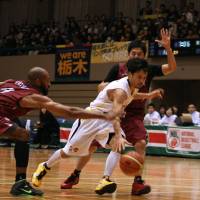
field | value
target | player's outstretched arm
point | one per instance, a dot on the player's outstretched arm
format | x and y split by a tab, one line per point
38	101
165	42
158	93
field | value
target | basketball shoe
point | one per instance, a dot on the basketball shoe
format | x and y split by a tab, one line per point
139	187
40	172
73	179
23	187
105	186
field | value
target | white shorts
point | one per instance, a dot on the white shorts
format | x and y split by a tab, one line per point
83	132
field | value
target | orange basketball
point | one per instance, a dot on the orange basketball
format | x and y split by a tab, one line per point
131	163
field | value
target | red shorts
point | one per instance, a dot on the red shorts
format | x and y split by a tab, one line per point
134	129
5	124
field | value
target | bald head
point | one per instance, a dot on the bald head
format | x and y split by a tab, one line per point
36	73
39	77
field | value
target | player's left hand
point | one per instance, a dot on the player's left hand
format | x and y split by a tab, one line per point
165	38
119	143
158	93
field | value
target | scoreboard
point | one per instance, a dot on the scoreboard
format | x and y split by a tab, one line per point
180	47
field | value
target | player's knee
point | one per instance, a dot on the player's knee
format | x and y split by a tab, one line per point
63	154
92	149
20	134
140	145
143	143
24	136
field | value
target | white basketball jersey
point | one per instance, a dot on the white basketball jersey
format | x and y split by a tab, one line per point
103	103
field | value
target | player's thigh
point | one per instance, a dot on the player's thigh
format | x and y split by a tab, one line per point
80	138
16	133
135	131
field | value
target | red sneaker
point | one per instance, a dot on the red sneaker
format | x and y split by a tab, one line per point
70	181
139	188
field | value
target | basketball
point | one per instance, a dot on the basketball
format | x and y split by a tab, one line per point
131	163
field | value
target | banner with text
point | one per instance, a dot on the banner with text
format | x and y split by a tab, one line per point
183	141
72	64
109	52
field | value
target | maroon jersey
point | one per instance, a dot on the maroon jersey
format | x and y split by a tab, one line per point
136	107
11	91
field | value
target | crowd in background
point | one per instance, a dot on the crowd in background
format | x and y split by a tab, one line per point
183	23
170	116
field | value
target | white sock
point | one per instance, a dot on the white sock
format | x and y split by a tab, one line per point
111	162
53	159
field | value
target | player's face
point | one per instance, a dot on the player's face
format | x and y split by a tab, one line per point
136	53
151	109
191	108
138	78
45	83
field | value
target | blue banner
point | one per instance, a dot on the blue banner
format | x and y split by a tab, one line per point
72	64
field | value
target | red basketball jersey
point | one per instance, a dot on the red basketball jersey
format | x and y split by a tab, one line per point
11	91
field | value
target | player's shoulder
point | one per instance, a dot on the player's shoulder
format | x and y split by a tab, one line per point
9	81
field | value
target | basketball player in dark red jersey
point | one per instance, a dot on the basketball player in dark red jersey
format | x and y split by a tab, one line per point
132	124
16	99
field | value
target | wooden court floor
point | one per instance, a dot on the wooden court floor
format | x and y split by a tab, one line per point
170	178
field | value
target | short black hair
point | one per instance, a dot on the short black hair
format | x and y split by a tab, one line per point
151	105
137	44
136	64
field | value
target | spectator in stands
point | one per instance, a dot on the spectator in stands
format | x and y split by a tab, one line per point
195	114
176	111
162	111
152	117
173	13
42	37
169	118
147	10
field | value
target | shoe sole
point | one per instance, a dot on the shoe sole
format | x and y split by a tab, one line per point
20	193
69	186
107	189
33	182
141	192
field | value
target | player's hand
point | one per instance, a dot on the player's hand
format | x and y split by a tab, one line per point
158	93
165	38
119	143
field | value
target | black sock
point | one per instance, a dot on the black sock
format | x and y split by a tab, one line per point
77	172
21	152
45	165
20	177
107	178
137	178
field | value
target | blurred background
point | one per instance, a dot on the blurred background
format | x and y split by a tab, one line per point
78	41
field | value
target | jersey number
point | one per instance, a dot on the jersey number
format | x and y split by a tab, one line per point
5	90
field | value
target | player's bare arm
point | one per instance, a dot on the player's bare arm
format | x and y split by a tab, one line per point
38	101
119	98
165	42
158	93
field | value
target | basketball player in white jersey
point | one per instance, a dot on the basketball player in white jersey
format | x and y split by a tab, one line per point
113	98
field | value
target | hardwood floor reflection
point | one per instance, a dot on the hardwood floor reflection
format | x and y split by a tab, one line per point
170	178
